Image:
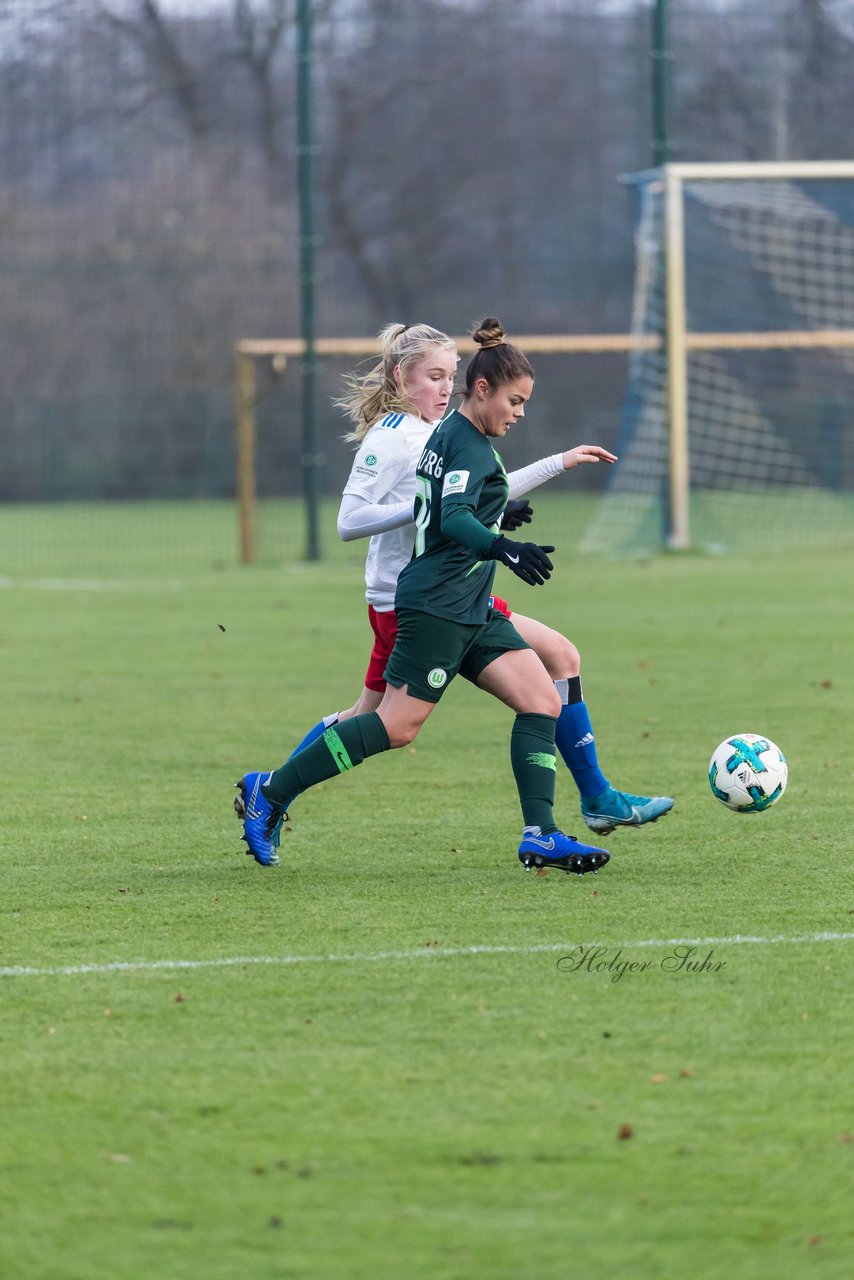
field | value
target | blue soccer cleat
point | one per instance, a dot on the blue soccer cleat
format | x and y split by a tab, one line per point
612	809
261	818
565	853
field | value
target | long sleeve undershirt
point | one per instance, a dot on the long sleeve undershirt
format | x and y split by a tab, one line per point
359	519
535	474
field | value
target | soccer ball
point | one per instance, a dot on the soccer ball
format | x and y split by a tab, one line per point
748	773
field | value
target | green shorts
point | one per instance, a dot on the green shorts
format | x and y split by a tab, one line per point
429	651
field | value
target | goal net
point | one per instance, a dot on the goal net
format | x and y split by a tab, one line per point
738	426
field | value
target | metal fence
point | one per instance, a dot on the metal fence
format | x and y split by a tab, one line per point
468	162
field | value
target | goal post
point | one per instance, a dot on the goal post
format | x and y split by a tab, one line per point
738	423
745	272
676	363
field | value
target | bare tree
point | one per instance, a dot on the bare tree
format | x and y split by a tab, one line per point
170	68
468	161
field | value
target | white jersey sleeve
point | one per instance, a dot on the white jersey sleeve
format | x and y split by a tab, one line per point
535	474
358	518
381	460
378	500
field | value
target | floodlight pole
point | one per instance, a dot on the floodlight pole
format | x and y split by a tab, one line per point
311	459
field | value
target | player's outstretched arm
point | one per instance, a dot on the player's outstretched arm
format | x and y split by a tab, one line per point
586	453
537	473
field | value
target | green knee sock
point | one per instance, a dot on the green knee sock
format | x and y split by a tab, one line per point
341	747
532	755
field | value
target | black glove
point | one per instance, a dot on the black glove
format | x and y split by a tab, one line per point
528	561
516	513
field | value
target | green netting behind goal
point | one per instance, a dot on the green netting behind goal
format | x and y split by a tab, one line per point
769	369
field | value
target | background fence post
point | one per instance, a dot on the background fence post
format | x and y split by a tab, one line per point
305	161
661	59
244	382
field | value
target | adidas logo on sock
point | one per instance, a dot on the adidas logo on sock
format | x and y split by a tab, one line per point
586	741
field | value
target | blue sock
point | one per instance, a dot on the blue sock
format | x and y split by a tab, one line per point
312	735
319	728
575	742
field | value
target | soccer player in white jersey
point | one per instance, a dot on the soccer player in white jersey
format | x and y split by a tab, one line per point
395	407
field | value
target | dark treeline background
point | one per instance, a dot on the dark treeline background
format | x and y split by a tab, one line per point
469	161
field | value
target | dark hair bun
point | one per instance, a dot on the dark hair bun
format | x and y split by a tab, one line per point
489	333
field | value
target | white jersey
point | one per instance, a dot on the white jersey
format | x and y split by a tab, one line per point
383	473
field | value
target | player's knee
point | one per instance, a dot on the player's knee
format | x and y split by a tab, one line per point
400	725
567	659
554	703
560	657
401	734
544	700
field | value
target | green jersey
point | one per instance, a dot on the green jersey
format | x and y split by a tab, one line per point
461	492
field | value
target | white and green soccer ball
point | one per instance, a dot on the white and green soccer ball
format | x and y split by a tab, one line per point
748	773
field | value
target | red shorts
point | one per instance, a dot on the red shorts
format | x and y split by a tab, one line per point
384	627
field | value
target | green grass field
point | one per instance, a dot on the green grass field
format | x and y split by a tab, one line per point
377	1061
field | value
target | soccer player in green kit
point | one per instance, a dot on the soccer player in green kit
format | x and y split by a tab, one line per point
445	626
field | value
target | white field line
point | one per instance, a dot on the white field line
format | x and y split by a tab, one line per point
416	953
